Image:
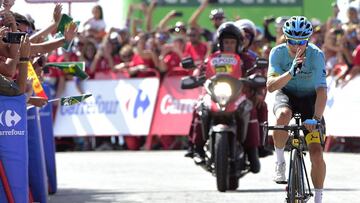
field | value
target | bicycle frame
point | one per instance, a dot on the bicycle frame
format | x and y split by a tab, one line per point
297	190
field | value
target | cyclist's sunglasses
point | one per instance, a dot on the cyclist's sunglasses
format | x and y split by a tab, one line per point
294	42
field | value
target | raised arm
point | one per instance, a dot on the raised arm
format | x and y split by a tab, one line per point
149	15
193	21
38	36
23	64
46	47
164	22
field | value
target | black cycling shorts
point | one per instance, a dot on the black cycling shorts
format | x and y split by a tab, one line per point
303	105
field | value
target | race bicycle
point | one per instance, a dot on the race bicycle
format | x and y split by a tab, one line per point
298	191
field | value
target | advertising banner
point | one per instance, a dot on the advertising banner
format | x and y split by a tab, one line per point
174	108
342	108
14	147
116	107
37	166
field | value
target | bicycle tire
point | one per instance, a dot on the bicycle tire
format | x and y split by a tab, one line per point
296	181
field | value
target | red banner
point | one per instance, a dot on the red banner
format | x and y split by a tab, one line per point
174	107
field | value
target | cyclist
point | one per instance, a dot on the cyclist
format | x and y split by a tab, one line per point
297	73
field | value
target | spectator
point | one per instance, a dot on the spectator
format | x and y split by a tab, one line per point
95	26
195	48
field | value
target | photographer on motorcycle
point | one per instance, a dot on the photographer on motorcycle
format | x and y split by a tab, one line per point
230	42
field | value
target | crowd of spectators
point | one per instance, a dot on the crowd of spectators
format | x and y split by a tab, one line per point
141	48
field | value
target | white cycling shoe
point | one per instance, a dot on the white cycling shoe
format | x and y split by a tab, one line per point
279	176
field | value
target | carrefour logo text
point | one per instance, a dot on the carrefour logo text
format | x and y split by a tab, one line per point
100	106
170	105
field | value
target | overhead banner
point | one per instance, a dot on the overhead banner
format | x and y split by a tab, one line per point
269	3
341	112
174	108
117	107
58	1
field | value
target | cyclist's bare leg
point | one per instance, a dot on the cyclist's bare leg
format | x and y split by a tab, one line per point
318	166
283	117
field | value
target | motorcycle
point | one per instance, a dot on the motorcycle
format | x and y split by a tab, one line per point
218	111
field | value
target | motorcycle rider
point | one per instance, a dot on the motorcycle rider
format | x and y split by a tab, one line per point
230	42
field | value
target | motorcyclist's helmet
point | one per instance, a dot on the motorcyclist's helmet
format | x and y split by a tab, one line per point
297	27
248	27
229	30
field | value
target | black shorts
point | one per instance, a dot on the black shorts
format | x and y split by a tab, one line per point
303	105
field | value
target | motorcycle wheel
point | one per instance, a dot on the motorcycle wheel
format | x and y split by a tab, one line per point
221	161
233	183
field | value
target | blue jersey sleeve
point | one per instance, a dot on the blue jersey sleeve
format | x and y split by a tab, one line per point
274	62
320	73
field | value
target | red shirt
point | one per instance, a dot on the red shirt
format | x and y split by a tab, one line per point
172	60
103	64
356	55
220	62
138	60
196	52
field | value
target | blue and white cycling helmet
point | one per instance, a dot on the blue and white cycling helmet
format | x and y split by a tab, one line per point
297	27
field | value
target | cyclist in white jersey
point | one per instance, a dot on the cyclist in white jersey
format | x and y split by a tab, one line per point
297	74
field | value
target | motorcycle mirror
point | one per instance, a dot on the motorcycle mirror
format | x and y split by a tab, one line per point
189	82
257	80
188	63
261	63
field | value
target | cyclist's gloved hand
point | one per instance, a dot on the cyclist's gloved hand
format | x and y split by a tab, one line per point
310	124
294	69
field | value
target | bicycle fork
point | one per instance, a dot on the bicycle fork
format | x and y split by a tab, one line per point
296	188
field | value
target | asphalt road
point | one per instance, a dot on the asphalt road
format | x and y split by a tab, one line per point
166	176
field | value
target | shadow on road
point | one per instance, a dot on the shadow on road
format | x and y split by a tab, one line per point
283	190
83	195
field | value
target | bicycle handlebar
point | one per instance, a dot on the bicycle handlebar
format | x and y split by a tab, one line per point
292	127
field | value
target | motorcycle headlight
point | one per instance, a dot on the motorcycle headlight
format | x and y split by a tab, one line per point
222	92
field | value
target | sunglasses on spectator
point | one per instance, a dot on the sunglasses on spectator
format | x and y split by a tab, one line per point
294	42
127	56
218	18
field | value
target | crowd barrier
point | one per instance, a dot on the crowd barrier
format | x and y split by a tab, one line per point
13	150
37	169
144	106
47	131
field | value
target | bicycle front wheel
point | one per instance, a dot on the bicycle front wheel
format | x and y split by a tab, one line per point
296	180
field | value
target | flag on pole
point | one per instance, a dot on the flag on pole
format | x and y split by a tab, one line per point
65	21
68	101
72	68
36	85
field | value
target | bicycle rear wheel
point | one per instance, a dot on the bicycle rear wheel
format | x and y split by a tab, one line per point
296	180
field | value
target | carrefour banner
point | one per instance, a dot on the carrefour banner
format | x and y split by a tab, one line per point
174	108
116	107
